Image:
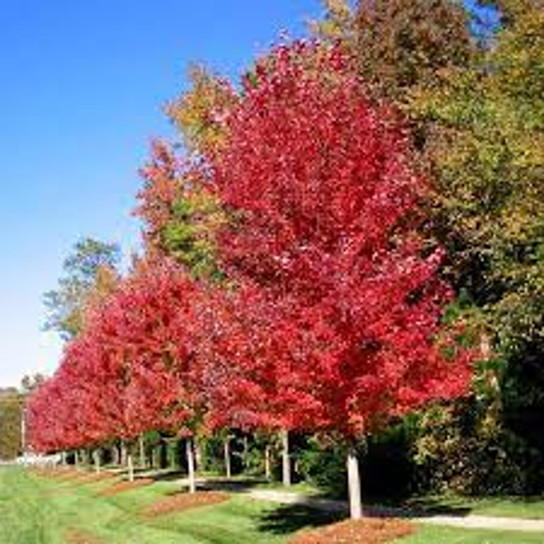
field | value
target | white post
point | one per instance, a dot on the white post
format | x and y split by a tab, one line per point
354	484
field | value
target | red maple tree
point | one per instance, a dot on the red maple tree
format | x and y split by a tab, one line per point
342	334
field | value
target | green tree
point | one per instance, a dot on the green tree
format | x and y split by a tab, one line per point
399	44
89	274
10	423
486	154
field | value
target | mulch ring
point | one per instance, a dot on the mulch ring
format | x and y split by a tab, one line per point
185	501
91	477
365	531
120	487
56	473
77	536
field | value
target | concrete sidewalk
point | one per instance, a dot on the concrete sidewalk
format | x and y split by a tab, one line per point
470	521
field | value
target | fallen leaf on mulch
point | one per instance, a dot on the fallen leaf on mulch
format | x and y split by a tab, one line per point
185	501
124	486
366	531
76	536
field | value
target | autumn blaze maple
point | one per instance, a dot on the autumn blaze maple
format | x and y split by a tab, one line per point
128	372
340	305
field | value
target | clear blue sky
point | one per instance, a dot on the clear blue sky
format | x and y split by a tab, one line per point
82	84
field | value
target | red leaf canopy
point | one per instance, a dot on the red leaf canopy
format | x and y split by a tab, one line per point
336	322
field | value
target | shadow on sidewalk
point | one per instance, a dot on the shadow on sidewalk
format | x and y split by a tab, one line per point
290	518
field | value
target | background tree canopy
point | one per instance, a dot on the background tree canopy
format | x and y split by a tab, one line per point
90	273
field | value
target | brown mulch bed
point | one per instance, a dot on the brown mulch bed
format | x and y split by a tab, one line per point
365	531
77	536
185	501
120	487
88	478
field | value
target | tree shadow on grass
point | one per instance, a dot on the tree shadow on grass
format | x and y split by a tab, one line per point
167	475
237	485
428	507
290	518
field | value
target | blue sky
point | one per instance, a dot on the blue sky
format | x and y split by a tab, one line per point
82	84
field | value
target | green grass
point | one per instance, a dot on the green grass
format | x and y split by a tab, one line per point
513	507
37	510
445	535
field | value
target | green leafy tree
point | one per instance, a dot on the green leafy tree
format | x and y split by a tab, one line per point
487	155
89	274
399	44
10	423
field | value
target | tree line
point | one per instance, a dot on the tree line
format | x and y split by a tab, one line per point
351	234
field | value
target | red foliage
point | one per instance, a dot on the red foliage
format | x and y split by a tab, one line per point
128	372
336	325
331	316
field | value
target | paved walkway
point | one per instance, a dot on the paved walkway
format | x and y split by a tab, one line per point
470	521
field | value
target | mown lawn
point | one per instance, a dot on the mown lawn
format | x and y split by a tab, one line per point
513	507
37	510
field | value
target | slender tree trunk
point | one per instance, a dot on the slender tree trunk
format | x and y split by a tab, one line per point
286	460
198	454
226	452
267	465
354	484
190	464
123	454
63	458
96	458
141	446
115	455
130	465
245	453
154	458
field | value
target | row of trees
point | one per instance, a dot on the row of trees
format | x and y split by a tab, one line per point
302	296
300	253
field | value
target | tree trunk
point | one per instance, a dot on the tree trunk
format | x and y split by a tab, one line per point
245	453
123	454
226	452
190	465
141	446
96	459
198	454
130	466
115	455
354	484
286	461
63	458
267	466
